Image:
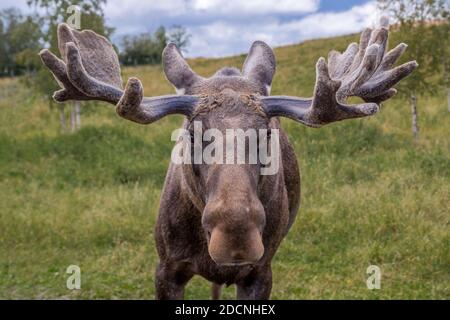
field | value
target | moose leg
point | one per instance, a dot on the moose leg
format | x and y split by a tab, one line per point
257	285
171	280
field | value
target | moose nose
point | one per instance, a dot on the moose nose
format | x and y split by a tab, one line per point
228	249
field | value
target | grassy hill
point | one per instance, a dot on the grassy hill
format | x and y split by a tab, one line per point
370	196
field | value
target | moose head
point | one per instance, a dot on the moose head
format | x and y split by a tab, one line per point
232	200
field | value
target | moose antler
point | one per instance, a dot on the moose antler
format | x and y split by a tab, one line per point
90	70
363	71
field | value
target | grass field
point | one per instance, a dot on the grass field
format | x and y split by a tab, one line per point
370	196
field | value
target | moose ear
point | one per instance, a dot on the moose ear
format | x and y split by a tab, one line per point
177	70
260	64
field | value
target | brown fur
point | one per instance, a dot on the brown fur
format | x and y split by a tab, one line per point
190	191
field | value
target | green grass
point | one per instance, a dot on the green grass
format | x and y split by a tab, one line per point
370	195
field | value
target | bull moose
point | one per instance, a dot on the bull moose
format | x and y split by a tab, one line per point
226	221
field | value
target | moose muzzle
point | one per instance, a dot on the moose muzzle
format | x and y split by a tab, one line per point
234	248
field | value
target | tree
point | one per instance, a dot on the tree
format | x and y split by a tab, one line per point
10	18
160	38
416	20
25	38
178	35
143	48
20	39
441	36
137	49
55	12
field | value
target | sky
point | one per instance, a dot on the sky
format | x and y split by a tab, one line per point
227	27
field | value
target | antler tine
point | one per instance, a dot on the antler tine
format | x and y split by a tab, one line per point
59	71
363	44
392	56
340	63
385	79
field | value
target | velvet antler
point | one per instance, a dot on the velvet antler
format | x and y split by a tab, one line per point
90	70
363	71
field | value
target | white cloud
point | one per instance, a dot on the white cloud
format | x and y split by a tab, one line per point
227	27
21	4
222	38
119	9
220	17
256	6
336	23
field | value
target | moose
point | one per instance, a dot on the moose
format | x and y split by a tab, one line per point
225	222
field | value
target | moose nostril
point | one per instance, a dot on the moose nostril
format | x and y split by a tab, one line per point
237	255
